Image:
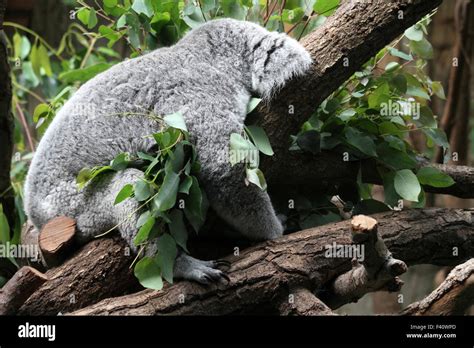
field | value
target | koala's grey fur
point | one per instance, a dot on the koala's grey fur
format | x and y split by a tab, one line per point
209	76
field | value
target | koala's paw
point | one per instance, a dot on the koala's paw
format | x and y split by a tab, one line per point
203	272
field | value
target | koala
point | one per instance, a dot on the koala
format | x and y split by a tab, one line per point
209	76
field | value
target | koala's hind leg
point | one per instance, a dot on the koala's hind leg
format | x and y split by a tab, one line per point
101	215
246	208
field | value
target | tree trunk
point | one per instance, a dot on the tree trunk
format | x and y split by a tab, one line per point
6	125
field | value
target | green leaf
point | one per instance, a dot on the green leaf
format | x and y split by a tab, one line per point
143	6
418	92
325	7
362	142
166	256
292	16
83	15
260	139
110	3
176	120
422	49
256	177
177	158
111	35
242	150
144	231
379	96
414	33
392	66
166	197
394	158
120	162
433	177
185	185
35	60
41	110
438	136
399	54
142	190
83	75
253	104
347	114
124	193
148	273
159	20
407	185
86	175
426	118
421	201
438	90
178	228
143	218
400	83
391	196
92	22
4	227
196	206
21	46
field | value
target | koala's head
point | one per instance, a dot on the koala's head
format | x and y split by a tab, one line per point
260	59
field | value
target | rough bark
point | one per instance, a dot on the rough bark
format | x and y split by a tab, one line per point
17	290
303	302
453	297
99	270
260	276
378	269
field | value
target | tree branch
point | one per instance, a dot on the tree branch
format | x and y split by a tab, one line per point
17	290
453	297
260	276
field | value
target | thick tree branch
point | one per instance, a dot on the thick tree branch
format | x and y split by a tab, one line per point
260	276
317	172
17	290
453	297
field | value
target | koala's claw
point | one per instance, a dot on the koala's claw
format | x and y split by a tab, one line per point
203	272
223	263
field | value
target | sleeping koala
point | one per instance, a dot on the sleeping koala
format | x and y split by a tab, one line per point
209	76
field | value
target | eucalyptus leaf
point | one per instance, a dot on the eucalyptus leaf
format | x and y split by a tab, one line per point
407	185
148	273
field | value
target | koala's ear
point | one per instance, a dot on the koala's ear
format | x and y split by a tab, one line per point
276	59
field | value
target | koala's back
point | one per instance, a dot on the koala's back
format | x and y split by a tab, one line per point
108	115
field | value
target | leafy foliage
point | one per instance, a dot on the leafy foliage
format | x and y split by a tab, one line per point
169	195
371	116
